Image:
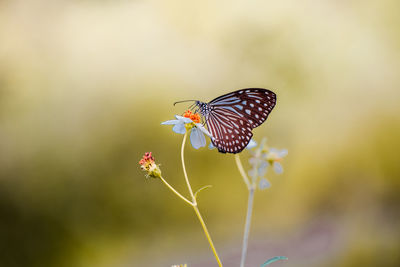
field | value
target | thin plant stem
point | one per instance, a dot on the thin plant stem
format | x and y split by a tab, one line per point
247	226
184	169
242	172
176	192
196	209
194	204
251	187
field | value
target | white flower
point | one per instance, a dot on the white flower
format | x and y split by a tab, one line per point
262	158
264	184
251	144
179	124
274	156
197	130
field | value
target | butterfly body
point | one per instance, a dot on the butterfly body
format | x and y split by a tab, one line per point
231	117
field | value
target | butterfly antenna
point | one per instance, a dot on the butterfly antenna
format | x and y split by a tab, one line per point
183	101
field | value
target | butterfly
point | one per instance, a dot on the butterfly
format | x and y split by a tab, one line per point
230	118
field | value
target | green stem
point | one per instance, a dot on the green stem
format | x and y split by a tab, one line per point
184	169
251	187
176	192
196	209
242	172
247	226
194	204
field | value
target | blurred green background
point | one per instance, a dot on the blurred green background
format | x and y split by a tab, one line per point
84	86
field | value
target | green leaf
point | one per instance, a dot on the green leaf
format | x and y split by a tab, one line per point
274	259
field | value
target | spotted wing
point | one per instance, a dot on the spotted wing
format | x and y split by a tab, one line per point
231	133
252	104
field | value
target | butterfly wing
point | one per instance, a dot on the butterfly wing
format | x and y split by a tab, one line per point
232	117
254	104
231	133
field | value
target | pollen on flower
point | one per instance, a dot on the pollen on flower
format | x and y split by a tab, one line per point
195	117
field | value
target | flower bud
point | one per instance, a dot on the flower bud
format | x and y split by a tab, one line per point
148	164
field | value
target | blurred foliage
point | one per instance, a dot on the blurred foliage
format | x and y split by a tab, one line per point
84	86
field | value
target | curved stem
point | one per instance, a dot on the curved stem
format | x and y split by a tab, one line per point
194	204
176	192
196	209
251	187
242	172
184	169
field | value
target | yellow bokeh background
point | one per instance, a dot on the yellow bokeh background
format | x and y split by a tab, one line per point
84	86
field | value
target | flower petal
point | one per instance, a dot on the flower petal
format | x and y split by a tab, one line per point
197	138
281	153
273	150
179	128
262	169
183	119
278	152
278	167
253	161
170	122
251	144
204	130
264	184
